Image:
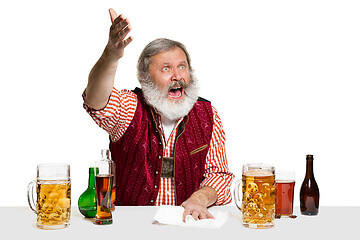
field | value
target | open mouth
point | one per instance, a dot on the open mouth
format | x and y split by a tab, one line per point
176	93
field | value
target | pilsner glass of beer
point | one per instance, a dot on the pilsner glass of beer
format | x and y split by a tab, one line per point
285	183
104	179
53	195
258	195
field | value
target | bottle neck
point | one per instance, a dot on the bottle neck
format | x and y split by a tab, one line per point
91	178
309	168
105	154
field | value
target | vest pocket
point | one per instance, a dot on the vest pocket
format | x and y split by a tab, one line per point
198	149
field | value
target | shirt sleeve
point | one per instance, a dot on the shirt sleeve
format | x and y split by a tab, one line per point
117	115
217	174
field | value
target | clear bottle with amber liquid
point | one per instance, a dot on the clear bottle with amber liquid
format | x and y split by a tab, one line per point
105	155
309	191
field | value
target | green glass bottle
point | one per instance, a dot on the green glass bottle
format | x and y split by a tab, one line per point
87	200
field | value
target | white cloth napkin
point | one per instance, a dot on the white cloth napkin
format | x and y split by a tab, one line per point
172	215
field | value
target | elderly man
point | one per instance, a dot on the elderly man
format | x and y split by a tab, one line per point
168	144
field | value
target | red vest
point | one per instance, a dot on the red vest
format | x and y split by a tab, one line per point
138	154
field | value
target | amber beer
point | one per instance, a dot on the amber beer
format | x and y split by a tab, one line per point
53	203
104	185
284	197
258	205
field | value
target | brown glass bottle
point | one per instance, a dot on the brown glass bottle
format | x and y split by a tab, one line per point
309	191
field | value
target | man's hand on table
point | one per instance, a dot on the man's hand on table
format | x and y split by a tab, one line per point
196	205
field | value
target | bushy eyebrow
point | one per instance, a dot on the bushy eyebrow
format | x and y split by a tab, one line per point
168	64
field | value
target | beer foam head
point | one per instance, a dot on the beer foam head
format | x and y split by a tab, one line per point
259	173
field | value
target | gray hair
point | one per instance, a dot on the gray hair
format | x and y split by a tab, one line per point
157	46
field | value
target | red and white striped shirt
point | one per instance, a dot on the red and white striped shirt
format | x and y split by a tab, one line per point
116	117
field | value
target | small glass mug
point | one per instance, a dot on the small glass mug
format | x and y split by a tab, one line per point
53	195
258	195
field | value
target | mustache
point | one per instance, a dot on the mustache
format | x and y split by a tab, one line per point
180	83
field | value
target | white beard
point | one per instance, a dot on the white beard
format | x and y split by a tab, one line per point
171	109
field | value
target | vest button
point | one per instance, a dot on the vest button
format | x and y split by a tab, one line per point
155	187
156	172
159	157
151	201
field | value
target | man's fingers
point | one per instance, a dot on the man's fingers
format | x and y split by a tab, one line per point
202	215
198	215
209	215
122	26
120	29
195	215
196	212
115	19
127	41
113	14
122	34
186	212
118	39
119	19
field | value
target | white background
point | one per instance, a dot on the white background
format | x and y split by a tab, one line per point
283	75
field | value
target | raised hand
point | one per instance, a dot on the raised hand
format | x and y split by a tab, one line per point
119	30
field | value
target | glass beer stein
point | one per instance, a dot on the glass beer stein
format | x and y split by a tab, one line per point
53	190
258	195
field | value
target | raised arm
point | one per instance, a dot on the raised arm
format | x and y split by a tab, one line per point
102	75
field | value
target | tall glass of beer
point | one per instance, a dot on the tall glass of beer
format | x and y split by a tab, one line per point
285	183
53	195
258	195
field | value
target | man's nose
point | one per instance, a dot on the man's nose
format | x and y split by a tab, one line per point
176	76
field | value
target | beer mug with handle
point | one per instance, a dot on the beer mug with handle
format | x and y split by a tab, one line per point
53	195
258	195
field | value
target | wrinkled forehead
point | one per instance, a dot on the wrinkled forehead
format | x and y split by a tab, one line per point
171	56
